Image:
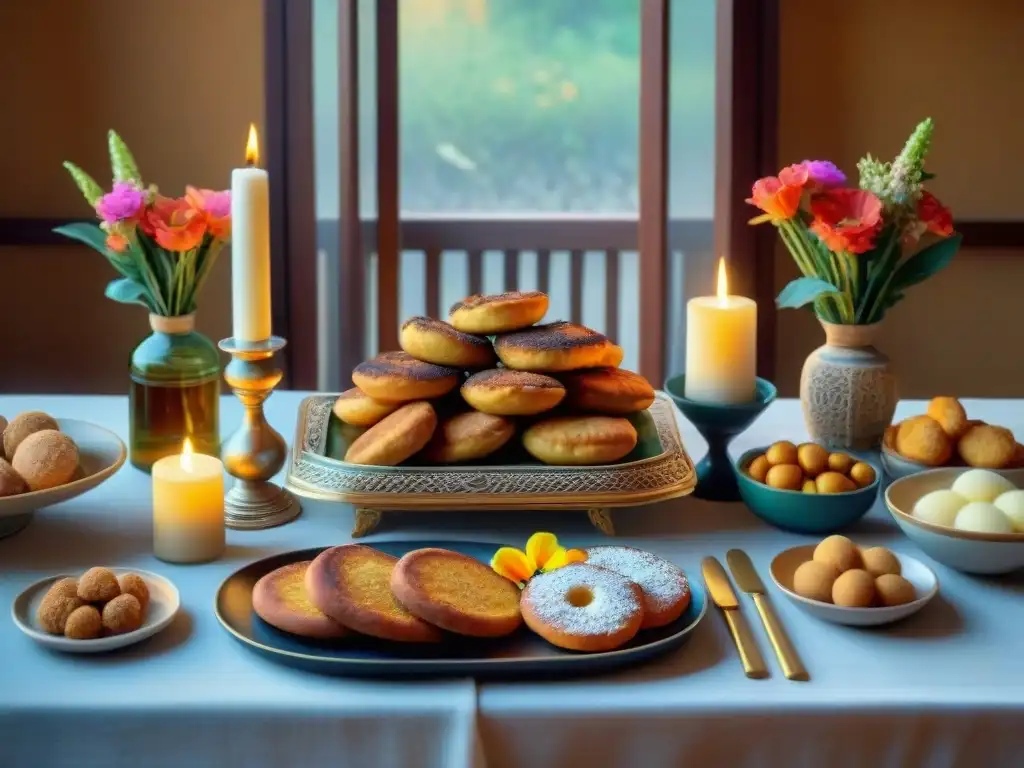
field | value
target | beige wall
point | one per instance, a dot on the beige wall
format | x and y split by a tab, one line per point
180	82
855	78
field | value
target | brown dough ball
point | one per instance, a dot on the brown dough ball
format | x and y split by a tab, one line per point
894	590
922	439
23	425
84	623
834	482
950	414
1018	456
46	459
64	588
782	452
839	552
122	614
812	458
862	474
133	584
786	476
814	580
3	426
879	561
54	610
758	468
840	462
11	483
98	585
854	589
985	446
809	486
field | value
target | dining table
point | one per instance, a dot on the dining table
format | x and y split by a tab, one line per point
941	689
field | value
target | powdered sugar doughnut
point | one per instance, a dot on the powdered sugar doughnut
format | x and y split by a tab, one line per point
582	607
665	588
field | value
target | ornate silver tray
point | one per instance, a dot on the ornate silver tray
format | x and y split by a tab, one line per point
656	470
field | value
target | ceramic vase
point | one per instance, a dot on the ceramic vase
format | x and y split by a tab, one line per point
847	389
174	392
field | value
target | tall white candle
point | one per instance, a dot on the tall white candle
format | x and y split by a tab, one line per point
721	346
250	247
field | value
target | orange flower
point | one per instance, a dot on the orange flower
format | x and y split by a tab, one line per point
936	217
847	220
779	201
215	208
117	242
543	553
174	224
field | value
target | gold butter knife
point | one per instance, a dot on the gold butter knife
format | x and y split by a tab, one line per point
748	580
721	593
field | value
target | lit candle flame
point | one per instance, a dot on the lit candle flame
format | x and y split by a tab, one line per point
723	281
252	147
186	455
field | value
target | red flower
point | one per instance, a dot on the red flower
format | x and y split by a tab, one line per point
847	219
795	176
174	224
936	217
778	200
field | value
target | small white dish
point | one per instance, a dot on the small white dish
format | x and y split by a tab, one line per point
164	603
926	586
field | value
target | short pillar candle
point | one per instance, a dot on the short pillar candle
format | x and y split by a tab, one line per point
188	507
721	347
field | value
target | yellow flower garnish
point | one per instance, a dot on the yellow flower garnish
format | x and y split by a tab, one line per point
543	553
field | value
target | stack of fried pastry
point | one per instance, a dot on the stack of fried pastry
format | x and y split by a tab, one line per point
358	590
518	379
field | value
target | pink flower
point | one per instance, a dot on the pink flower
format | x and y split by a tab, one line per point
823	174
215	208
123	203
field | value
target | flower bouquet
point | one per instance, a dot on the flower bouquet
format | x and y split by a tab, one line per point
858	249
163	248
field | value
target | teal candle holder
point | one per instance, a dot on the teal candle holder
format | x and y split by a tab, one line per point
719	424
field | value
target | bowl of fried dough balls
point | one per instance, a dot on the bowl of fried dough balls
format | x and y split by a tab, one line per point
838	581
99	610
44	460
805	488
491	378
945	436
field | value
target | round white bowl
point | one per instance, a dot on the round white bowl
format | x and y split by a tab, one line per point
925	582
164	603
967	551
100	454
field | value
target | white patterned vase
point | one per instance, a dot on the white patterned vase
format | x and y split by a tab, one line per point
847	389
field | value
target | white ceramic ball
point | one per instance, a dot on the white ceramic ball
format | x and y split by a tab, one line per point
939	507
981	485
1011	504
982	517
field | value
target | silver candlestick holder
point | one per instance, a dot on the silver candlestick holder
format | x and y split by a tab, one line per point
255	452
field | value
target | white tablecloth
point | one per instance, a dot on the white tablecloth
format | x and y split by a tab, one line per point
944	688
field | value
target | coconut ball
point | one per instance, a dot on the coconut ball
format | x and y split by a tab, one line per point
122	614
982	517
879	561
98	585
981	485
23	425
135	585
84	623
46	459
814	580
939	507
54	610
3	426
893	589
839	552
11	482
854	589
1010	504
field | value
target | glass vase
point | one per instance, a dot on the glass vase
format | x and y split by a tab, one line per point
175	392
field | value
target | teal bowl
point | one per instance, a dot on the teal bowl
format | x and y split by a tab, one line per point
803	512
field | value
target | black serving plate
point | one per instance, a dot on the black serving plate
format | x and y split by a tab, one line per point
522	653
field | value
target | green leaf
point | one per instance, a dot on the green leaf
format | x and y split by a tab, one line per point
127	292
122	163
925	176
87	185
925	263
803	291
90	234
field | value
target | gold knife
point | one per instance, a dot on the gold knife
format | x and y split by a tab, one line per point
748	580
721	593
